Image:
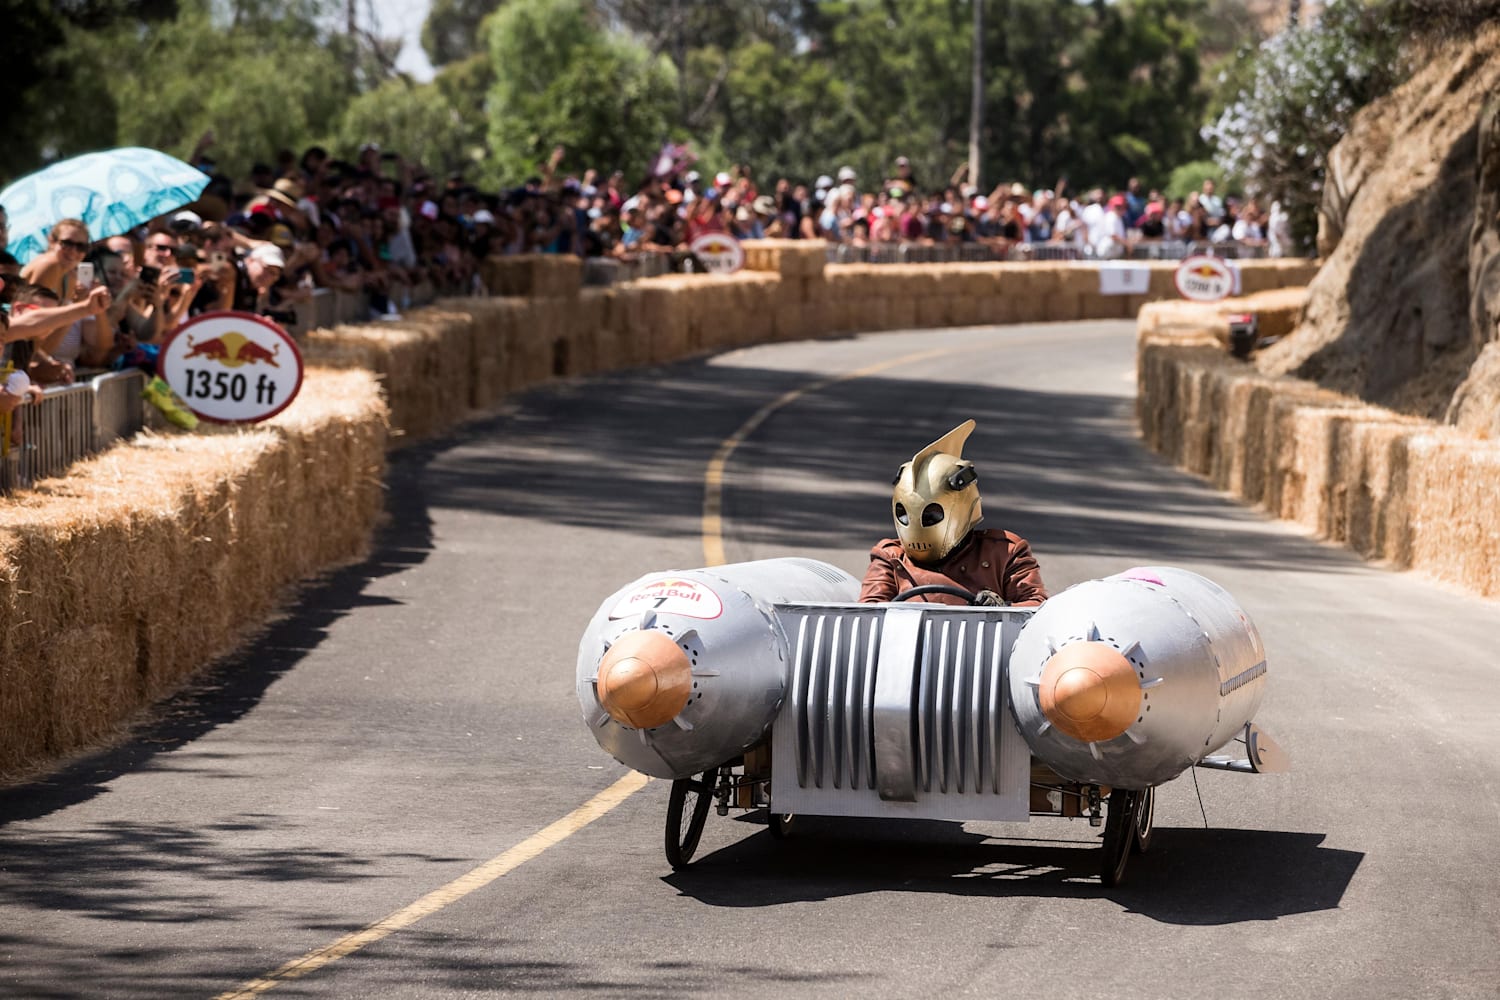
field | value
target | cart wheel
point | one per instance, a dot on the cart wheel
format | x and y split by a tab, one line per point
1145	816
689	801
781	825
1119	835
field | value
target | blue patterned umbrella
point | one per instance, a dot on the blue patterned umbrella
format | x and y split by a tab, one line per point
112	192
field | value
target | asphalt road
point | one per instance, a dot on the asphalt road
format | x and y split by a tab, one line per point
412	719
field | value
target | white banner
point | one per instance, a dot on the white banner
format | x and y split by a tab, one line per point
1124	279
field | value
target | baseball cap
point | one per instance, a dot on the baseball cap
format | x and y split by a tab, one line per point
824	182
846	174
902	161
722	179
1117	201
186	219
268	254
484	215
692	175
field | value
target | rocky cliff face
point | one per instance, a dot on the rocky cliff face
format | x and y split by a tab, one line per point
1405	311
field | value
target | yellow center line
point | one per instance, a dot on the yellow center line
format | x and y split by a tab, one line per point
713	477
453	891
478	878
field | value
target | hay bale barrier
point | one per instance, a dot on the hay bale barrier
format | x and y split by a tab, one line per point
1392	487
143	564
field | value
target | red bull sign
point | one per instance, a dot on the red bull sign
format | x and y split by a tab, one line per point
670	595
232	367
719	252
1206	279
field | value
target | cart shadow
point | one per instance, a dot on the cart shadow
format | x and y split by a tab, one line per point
1189	876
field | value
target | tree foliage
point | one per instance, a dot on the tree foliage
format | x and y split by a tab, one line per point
562	79
1296	95
1097	91
451	32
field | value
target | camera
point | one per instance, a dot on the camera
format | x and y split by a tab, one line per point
150	275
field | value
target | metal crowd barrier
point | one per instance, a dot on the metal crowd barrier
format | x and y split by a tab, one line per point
604	271
329	307
68	423
1047	251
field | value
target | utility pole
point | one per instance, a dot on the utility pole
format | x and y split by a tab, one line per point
976	97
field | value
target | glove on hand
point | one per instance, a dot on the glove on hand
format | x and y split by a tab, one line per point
989	599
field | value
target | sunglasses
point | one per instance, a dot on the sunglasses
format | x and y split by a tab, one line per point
160	247
73	245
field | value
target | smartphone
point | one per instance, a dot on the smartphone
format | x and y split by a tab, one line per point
184	276
85	276
218	257
150	276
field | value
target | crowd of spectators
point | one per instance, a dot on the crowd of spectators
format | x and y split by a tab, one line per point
381	227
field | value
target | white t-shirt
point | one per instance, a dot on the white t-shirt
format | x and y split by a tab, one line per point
71	345
1109	235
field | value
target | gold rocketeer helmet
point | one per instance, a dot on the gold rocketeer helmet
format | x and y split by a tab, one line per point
936	497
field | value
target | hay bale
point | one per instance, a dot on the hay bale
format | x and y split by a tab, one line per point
1453	484
533	275
932	312
788	258
425	361
152	558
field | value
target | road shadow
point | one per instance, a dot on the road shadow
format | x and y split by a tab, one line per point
629	450
231	686
1189	876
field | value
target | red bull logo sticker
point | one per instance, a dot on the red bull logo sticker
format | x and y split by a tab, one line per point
720	253
670	595
232	367
1206	279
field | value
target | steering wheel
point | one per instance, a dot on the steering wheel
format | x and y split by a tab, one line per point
937	588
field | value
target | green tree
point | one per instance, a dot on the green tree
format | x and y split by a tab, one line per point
274	80
1142	91
562	79
419	120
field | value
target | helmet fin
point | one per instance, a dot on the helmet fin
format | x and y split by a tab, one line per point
951	443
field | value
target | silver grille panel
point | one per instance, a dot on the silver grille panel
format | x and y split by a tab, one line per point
900	710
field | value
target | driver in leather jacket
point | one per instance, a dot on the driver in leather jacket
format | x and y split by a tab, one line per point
936	506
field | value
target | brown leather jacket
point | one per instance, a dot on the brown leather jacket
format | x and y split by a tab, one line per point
986	560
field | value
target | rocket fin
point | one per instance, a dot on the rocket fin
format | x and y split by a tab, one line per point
1266	757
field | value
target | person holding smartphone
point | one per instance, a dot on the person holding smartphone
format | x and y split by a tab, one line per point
57	266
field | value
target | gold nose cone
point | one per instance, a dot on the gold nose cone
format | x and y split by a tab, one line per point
644	679
1090	692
